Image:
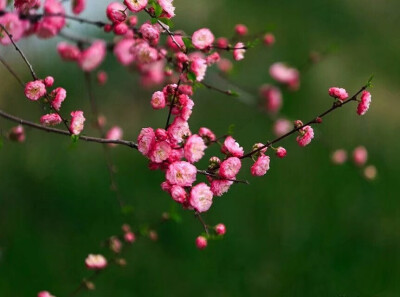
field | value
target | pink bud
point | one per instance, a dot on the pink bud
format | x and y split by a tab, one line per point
241	29
360	155
130	237
102	78
201	242
269	39
17	134
281	152
49	81
220	229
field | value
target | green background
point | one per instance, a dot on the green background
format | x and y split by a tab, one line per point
307	228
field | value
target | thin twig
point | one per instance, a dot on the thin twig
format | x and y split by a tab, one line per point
203	223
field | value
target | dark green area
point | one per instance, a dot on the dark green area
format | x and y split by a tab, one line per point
308	228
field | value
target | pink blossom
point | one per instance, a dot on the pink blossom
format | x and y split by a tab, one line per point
176	155
172	45
49	81
116	12
44	294
161	134
201	197
166	186
96	262
260	147
129	237
207	134
220	229
230	168
50	119
58	96
231	147
181	173
202	38
115	244
50	26
360	155
201	242
102	78
261	166
194	148
68	52
168	8
178	194
282	126
281	152
146	140
241	29
220	186
338	93
339	156
150	32
17	134
135	5
143	53
273	98
34	90
199	68
121	29
25	5
3	4
225	65
93	56
158	100
122	51
222	42
115	133
178	130
285	75
160	152
13	25
238	51
78	6
307	134
213	58
269	39
77	122
363	106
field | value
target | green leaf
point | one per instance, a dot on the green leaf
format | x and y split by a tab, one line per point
188	42
157	9
233	93
74	138
191	76
153	21
168	22
231	129
369	83
253	43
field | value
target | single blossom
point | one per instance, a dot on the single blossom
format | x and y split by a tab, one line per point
178	130
239	51
130	237
201	197
178	193
34	90
116	12
261	166
207	134
365	101
269	39
281	152
115	133
77	122
360	155
339	156
96	262
306	135
220	186
58	96
50	119
160	152
231	147
68	52
17	134
282	126
181	173
158	100
220	229
44	294
93	56
273	98
285	75
146	140
194	148
50	26
102	78
338	93
78	6
49	81
13	25
135	5
230	168
168	8
202	38
199	67
201	242
241	29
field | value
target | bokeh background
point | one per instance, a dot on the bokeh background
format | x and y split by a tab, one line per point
308	228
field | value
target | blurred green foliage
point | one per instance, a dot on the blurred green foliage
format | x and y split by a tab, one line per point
308	228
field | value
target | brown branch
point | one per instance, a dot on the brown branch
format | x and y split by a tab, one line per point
216	176
202	222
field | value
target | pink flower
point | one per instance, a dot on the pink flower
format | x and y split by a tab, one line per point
68	52
273	98
146	140
282	126
77	122
25	5
3	4
129	237
96	262
338	93
201	242
115	133
93	56
121	29
238	52
168	8
13	25
202	38
150	32
160	152
230	168
261	166
102	78
360	155
49	81
241	29
181	173
220	229
135	5
201	197
172	45
194	148
44	294
199	68
285	75
122	51
144	53
78	6
307	134
58	96
231	147
207	134
158	100
17	134
220	187
178	130
213	58
34	90
269	39
339	157
178	194
116	12
50	26
50	119
363	106
281	152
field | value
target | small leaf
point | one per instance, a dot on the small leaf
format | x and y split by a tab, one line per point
188	42
157	9
253	43
233	93
369	83
231	129
74	138
168	22
191	76
153	21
